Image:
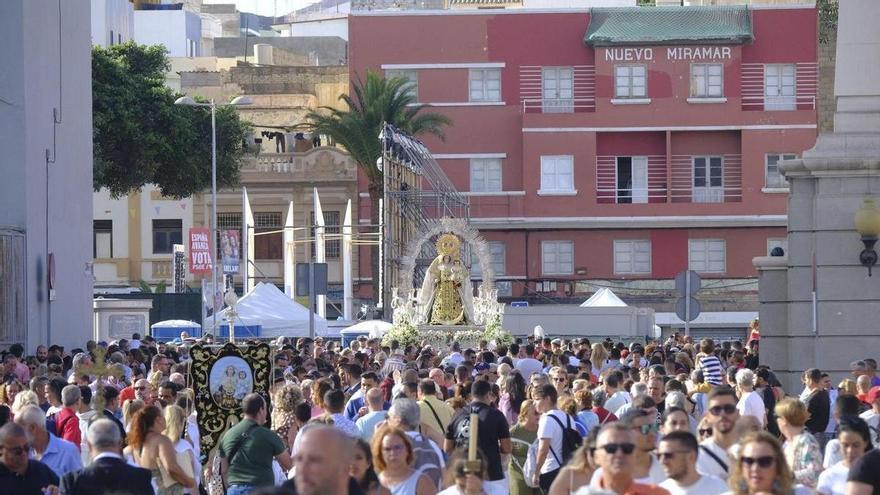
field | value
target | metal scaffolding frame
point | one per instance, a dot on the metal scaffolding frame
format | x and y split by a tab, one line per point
416	191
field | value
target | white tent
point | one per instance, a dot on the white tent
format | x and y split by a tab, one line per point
277	314
374	328
182	324
603	298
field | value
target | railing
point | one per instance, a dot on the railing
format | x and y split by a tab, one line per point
679	188
579	97
805	91
322	163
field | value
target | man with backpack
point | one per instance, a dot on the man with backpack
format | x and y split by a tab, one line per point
493	434
557	437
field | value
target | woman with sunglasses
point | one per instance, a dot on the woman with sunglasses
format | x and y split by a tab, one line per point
854	438
522	437
762	469
801	448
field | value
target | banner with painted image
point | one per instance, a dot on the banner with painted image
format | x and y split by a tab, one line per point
230	249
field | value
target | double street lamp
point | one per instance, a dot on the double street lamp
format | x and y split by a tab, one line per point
238	101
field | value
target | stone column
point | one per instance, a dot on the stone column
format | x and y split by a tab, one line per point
828	185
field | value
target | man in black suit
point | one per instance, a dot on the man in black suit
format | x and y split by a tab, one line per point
108	473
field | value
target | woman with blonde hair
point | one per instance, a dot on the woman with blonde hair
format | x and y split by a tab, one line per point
175	430
522	437
579	470
283	411
847	387
761	468
599	358
393	457
24	399
8	390
800	448
319	388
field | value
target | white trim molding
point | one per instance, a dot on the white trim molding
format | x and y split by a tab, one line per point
467	156
757	127
774	190
465	65
460	104
541	192
630	101
707	100
493	193
645	222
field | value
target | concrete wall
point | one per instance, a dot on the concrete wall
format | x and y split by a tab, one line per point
114	17
175	29
320	27
51	202
322	50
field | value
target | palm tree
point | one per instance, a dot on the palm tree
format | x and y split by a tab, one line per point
374	102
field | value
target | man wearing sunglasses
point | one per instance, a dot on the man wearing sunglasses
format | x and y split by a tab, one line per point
713	459
18	474
614	451
645	468
678	455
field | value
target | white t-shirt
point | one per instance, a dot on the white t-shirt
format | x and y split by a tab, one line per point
488	487
833	455
751	404
527	366
797	490
707	465
873	420
617	400
548	428
706	485
655	475
832	481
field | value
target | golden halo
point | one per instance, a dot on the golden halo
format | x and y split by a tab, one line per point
448	244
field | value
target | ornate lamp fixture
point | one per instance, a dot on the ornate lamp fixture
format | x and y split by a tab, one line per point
867	222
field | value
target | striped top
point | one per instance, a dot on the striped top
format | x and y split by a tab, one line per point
712	370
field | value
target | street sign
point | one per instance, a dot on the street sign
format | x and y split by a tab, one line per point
519	304
302	279
681	282
682	307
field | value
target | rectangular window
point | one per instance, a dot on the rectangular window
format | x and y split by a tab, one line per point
166	233
557	174
411	76
332	243
707	81
780	87
103	239
632	257
557	257
485	174
780	242
557	89
707	255
484	84
112	39
708	183
268	246
630	81
773	178
498	253
632	179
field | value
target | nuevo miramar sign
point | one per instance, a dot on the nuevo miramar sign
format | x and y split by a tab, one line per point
646	54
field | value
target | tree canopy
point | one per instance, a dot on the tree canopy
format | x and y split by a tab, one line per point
141	137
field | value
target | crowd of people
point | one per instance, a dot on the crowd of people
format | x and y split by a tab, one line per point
549	416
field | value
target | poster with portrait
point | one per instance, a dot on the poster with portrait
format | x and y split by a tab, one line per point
230	247
222	377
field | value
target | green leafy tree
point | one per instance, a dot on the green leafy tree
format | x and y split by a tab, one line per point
141	137
375	101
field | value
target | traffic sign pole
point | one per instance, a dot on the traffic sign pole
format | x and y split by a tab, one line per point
687	303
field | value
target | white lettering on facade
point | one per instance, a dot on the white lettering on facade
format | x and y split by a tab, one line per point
698	53
629	54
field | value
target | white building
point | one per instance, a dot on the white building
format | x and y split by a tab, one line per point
112	22
46	165
179	30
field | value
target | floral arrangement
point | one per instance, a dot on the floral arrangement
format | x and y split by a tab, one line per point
404	332
495	333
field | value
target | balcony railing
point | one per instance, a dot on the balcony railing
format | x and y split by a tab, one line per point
677	185
753	82
568	89
318	164
566	105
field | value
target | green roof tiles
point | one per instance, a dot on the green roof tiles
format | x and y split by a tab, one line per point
669	25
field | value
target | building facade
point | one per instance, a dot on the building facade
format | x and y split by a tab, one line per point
595	152
46	193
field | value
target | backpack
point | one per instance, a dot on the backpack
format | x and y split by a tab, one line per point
571	440
530	467
463	428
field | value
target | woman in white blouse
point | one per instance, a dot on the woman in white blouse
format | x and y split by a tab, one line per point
855	438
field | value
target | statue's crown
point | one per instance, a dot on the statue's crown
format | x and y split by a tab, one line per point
448	244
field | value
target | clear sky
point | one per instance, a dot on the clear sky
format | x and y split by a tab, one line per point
266	7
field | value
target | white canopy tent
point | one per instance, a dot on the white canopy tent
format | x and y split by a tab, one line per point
373	328
277	314
181	324
603	298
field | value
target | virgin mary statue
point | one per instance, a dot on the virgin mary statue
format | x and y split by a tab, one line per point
446	295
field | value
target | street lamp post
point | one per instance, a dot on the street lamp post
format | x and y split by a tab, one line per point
238	101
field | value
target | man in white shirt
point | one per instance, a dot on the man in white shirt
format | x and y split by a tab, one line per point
678	455
455	358
529	365
616	397
713	459
750	403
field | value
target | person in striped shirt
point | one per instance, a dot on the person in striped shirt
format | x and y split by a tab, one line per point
709	363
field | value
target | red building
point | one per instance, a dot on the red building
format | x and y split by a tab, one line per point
613	143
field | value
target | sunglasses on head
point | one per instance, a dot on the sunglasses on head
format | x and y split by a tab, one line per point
648	428
611	448
726	409
762	462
